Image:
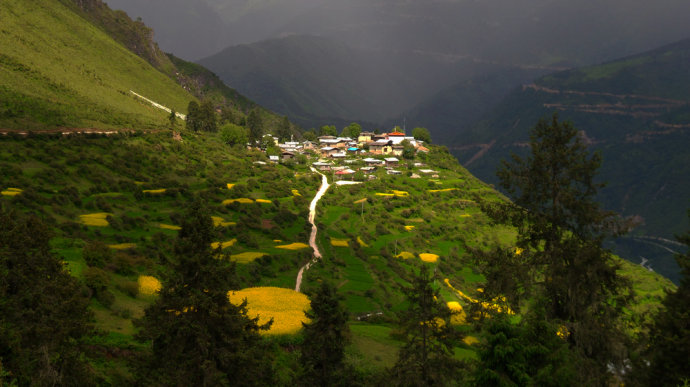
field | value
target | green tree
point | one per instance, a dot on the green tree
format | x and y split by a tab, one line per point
197	336
194	120
421	134
226	115
284	130
43	312
309	135
325	338
209	122
408	150
328	130
232	134
427	356
172	118
561	229
255	125
669	348
353	130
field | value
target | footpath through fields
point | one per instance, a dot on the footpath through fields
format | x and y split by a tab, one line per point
314	230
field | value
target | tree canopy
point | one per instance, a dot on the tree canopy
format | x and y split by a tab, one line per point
422	134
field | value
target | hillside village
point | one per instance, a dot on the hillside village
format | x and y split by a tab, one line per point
356	159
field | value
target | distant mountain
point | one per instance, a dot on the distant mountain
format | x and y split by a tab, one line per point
316	80
636	112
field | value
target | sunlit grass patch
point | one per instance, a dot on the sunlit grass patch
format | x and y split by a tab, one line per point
263	201
123	246
409	228
230	185
339	242
96	219
12	191
154	191
428	257
285	306
223	245
361	242
405	255
246	257
169	227
148	285
294	246
220	222
240	200
465	215
296	193
361	201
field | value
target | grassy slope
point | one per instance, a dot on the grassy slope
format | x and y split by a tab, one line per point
58	70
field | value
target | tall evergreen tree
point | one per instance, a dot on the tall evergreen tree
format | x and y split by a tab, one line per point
325	338
284	131
561	229
426	359
255	125
194	120
199	338
43	313
669	350
207	115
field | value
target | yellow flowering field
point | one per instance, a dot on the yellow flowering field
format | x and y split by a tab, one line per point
278	240
154	191
223	245
400	193
493	305
428	257
285	306
296	193
361	242
247	257
96	219
518	251
11	191
405	255
240	200
458	317
471	340
220	222
294	246
148	285
123	246
442	190
360	201
339	242
263	201
384	194
409	228
230	185
169	227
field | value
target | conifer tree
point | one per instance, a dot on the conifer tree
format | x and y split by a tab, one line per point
561	229
426	358
43	312
197	336
194	120
325	338
255	125
284	132
669	351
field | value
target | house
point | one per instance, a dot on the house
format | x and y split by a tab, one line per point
328	151
368	170
273	159
345	172
392	162
393	172
381	147
397	150
321	166
352	149
288	155
373	162
365	137
338	155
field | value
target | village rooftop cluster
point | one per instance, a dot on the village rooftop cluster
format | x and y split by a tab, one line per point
374	150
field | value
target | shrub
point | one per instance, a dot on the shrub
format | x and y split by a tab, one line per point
96	254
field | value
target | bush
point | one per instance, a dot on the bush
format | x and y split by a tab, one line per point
96	254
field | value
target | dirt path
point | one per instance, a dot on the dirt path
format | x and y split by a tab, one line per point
314	230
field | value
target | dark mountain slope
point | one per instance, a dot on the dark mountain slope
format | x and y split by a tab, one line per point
636	111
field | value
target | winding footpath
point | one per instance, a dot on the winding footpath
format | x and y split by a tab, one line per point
314	230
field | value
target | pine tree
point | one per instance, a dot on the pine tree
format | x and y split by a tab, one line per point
561	228
193	121
255	125
325	338
197	336
284	131
669	350
426	359
43	312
